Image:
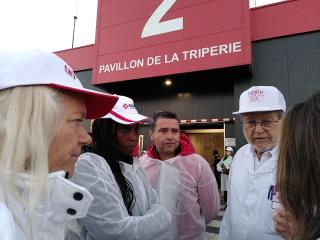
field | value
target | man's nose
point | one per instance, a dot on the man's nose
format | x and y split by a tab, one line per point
170	134
259	127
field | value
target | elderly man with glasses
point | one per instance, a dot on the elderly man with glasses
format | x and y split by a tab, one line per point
249	212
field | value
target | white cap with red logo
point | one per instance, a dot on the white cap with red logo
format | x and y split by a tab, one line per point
261	99
230	149
124	112
37	67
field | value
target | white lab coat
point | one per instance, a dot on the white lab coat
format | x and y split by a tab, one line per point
108	217
56	208
224	177
249	213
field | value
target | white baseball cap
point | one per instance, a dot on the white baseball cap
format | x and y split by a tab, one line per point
230	149
38	67
261	99
124	112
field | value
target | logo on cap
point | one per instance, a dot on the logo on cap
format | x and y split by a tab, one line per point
254	96
69	71
125	106
128	105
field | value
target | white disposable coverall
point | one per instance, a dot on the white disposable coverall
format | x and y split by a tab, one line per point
108	217
249	213
7	225
187	187
62	202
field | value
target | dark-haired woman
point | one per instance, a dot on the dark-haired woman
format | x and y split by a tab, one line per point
216	159
125	205
298	172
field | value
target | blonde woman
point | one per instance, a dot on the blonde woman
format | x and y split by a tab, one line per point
42	107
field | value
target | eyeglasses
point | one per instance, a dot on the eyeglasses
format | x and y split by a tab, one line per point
265	124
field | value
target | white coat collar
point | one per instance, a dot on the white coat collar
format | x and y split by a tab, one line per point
62	202
125	167
267	167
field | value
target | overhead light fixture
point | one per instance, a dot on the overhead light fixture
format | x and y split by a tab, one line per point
168	82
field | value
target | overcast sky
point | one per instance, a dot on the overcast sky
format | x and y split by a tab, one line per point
48	24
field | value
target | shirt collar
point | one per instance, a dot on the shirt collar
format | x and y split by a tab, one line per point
266	157
270	152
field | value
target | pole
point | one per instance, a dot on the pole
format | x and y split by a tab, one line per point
75	17
74	28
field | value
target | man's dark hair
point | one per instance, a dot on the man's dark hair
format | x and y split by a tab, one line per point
162	114
104	143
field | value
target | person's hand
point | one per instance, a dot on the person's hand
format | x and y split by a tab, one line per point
285	224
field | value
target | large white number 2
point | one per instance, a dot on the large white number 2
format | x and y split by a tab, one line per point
155	27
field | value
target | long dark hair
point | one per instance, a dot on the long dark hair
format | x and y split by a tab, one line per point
104	143
299	166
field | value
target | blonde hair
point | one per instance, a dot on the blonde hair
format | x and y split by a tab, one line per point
28	123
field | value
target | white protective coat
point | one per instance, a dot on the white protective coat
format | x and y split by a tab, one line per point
188	189
224	177
108	217
7	225
56	208
249	213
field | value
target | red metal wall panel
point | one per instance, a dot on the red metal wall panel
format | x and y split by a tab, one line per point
286	18
81	58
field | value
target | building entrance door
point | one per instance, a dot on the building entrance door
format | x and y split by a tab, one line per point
207	140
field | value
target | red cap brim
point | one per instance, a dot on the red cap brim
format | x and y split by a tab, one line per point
98	104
